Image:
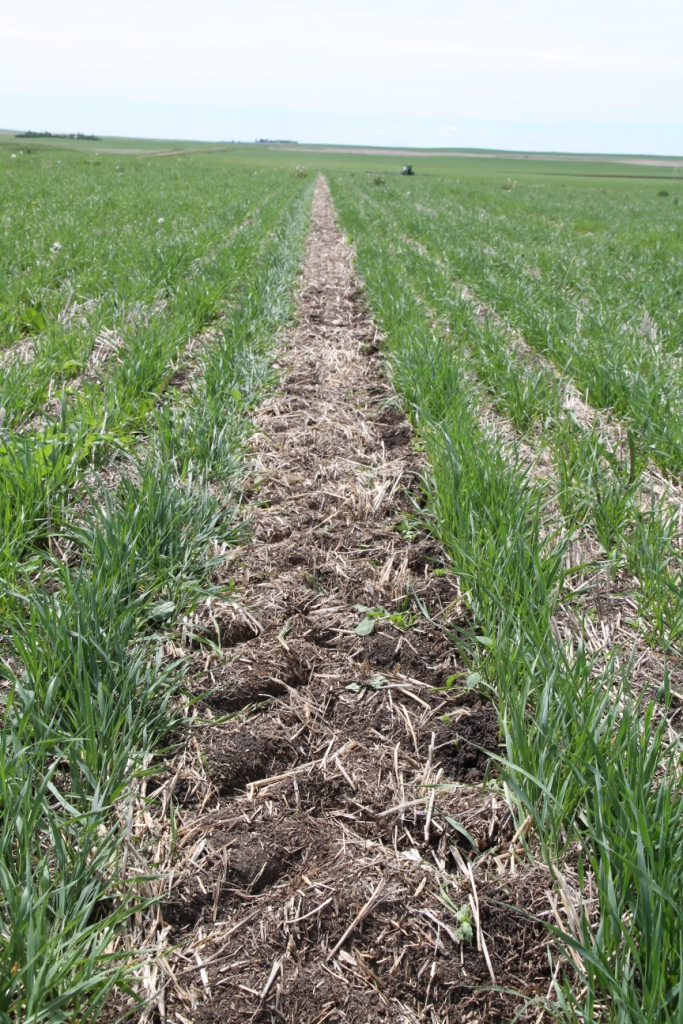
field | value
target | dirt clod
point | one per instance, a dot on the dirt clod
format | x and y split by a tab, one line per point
244	758
465	742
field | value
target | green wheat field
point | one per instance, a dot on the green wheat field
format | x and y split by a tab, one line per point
532	320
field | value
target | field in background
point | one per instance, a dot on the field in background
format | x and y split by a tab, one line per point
534	316
444	163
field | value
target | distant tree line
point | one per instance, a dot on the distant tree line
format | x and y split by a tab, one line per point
49	135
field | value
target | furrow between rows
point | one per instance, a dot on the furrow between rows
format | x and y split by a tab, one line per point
316	873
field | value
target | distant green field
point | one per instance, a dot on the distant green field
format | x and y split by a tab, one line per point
360	159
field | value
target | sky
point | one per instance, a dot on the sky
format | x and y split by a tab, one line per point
580	76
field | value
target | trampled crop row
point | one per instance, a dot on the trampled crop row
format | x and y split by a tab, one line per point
588	760
114	510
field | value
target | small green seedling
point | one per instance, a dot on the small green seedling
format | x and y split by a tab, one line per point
401	619
365	626
376	683
463	930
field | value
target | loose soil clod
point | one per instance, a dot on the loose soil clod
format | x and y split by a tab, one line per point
285	818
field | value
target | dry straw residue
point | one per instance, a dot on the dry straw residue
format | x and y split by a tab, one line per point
312	842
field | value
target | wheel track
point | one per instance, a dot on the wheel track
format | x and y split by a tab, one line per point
268	876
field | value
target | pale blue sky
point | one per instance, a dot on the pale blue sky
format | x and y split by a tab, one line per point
587	75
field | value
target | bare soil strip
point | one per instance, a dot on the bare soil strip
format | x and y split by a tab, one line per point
311	842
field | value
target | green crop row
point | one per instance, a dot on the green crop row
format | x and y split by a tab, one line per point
42	467
596	486
592	278
151	285
122	233
593	767
95	578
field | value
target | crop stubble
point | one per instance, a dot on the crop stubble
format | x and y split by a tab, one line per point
270	875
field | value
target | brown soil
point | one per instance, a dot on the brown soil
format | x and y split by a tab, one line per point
373	746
